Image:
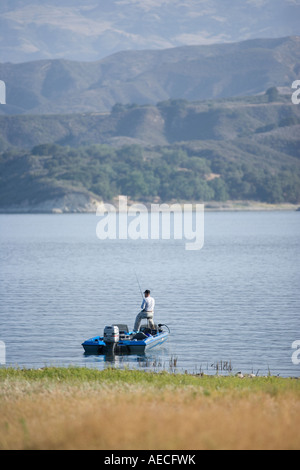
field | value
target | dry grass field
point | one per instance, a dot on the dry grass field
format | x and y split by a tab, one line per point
133	410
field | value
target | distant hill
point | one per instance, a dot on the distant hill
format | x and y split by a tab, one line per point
167	123
148	77
89	30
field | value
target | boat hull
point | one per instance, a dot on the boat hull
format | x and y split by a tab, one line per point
96	345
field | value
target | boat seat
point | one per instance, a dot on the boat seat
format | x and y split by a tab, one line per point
146	329
140	336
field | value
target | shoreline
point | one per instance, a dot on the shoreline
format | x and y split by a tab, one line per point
92	206
92	373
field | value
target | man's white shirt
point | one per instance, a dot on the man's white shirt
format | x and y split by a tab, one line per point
148	304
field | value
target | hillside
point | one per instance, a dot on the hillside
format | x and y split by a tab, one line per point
90	30
52	178
169	122
147	77
237	149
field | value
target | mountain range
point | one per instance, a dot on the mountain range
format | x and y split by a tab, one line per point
148	77
90	30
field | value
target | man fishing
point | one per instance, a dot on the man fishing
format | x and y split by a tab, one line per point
147	311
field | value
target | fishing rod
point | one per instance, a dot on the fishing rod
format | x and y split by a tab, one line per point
139	285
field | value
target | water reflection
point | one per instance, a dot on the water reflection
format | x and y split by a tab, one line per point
158	361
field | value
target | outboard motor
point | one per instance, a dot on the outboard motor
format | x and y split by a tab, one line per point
111	337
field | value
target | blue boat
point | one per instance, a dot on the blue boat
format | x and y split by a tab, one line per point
118	340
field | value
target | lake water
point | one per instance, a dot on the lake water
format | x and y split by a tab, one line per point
237	299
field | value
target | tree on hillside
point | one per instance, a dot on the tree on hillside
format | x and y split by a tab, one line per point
272	94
